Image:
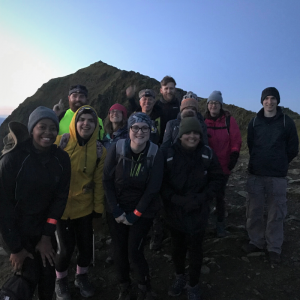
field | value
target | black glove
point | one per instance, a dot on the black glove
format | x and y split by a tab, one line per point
233	159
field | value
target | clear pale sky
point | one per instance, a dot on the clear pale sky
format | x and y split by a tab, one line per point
237	47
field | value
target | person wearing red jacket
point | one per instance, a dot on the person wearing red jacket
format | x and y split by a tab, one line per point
224	138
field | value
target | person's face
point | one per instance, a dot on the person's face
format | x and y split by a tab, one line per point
44	134
76	100
85	126
214	108
168	91
139	136
147	104
115	116
190	140
270	104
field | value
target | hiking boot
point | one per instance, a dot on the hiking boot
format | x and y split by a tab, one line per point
274	257
220	228
85	286
145	292
62	289
178	285
249	248
194	293
125	291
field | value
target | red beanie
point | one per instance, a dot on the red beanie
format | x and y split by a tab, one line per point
121	108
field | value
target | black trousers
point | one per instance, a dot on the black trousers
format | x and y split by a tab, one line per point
220	200
183	242
71	233
128	242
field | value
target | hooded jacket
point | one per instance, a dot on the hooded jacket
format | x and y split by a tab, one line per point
222	141
86	191
34	188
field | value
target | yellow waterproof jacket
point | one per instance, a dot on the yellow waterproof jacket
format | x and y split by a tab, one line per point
86	191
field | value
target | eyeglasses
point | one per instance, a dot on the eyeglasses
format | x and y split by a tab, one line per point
136	129
216	103
116	112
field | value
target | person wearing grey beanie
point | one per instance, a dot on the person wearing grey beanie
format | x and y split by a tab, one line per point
40	113
225	139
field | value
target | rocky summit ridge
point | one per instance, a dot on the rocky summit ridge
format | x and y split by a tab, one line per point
107	85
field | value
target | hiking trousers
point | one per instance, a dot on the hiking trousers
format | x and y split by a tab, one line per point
270	193
192	243
70	233
128	242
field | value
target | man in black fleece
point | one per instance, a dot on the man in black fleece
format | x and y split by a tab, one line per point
273	143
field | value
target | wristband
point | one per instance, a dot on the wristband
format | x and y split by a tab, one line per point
51	221
137	213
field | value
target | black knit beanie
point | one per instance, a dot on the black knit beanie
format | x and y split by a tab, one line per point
189	124
270	91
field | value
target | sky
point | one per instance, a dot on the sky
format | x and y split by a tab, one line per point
234	46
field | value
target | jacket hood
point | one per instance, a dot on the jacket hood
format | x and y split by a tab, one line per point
73	135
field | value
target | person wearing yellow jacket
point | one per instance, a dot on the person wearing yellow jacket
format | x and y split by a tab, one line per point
85	201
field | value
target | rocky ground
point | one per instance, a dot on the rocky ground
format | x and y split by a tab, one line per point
227	272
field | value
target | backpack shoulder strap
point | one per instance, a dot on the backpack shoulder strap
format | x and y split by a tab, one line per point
254	121
170	155
228	123
207	155
99	152
64	141
151	154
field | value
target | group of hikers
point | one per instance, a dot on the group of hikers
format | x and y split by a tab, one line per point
161	167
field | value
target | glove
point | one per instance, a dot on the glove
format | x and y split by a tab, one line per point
120	219
233	159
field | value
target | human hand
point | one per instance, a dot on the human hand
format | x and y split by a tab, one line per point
44	246
130	91
121	218
17	259
58	108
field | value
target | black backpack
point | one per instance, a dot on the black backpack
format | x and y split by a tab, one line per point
16	288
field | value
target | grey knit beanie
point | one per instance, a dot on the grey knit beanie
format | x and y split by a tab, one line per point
215	96
139	117
40	113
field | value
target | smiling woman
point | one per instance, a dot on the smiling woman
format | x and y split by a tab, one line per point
34	186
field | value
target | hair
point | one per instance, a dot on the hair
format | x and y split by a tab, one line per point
166	80
108	128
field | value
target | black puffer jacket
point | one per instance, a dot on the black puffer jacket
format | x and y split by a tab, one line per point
33	188
273	143
129	185
190	180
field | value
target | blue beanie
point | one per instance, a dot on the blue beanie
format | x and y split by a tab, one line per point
139	117
40	113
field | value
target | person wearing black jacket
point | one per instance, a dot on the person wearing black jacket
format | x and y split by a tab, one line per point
192	176
131	183
273	143
34	187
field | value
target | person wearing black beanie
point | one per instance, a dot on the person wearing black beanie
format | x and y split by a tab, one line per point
273	143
